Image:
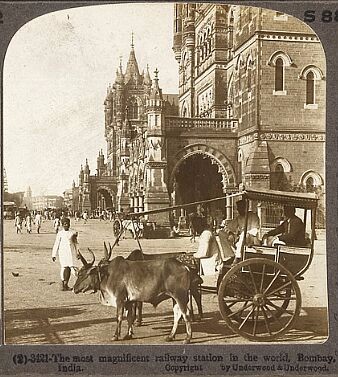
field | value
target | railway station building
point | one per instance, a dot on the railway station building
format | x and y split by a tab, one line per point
250	111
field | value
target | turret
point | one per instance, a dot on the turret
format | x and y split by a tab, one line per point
100	164
86	173
147	81
81	176
155	98
108	105
118	93
155	130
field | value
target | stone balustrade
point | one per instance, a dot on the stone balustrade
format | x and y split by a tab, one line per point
172	123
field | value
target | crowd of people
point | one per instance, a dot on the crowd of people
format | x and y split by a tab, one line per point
25	218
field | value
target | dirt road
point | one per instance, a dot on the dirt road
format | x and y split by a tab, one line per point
37	312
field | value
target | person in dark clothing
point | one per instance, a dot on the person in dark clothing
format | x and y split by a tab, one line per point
290	232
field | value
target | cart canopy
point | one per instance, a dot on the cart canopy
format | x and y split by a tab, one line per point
294	199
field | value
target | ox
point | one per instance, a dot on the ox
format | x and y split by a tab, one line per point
121	283
195	279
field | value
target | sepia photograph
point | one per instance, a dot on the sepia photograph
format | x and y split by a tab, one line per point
164	180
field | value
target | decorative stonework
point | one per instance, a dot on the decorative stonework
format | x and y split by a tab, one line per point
260	177
287	37
284	136
281	136
248	139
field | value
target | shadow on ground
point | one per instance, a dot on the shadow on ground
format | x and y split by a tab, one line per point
44	326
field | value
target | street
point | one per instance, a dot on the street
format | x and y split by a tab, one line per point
37	312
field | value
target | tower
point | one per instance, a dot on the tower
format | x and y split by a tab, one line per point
156	192
123	185
86	206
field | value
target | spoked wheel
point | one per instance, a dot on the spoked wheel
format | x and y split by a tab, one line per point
117	227
259	299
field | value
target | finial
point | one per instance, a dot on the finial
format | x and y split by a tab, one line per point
132	39
120	57
156	74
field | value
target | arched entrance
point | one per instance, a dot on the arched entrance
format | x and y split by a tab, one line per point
201	172
104	199
196	179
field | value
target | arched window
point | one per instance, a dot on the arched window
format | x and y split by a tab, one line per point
184	111
279	167
310	88
279	75
249	72
133	109
310	184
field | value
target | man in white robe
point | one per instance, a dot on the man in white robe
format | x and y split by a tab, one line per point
65	246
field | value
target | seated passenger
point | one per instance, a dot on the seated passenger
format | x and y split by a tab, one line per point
232	237
290	232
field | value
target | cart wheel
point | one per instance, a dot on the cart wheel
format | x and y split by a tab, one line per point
117	227
259	299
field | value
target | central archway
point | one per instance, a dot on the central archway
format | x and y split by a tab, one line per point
104	198
196	179
202	172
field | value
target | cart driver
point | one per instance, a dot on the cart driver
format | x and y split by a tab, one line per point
290	232
232	237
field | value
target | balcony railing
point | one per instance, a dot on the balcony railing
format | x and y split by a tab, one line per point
172	123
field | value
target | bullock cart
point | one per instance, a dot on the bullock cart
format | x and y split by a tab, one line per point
259	297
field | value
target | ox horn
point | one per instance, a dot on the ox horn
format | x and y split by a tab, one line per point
92	262
85	263
106	254
110	250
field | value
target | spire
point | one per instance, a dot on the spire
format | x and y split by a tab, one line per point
147	79
156	92
86	169
132	70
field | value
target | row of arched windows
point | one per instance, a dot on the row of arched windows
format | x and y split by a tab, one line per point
204	47
310	74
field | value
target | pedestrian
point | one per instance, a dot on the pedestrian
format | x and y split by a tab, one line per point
65	247
18	223
77	215
85	217
56	224
38	221
29	223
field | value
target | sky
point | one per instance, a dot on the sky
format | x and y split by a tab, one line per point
56	72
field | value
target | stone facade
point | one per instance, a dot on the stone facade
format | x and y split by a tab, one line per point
250	110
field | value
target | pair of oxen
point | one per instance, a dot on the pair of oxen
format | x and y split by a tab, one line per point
150	278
